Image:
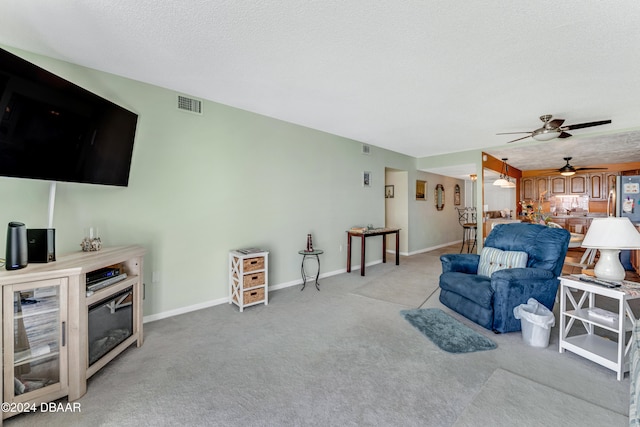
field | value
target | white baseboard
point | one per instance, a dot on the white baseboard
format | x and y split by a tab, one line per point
183	310
420	251
225	300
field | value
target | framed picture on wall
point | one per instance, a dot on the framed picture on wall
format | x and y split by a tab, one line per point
366	179
388	191
421	190
456	195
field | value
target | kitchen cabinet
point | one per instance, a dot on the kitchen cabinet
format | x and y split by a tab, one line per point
542	188
532	188
562	222
528	189
574	224
595	185
596	190
578	225
578	184
558	186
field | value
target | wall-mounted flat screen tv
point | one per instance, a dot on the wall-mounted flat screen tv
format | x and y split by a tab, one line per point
52	129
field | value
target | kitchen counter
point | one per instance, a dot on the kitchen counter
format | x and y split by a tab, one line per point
489	223
579	215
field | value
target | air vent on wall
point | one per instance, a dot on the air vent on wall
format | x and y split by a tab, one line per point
366	149
189	104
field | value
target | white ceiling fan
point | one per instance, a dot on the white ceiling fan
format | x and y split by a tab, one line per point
552	129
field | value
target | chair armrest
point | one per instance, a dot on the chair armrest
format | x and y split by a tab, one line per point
522	274
514	286
461	263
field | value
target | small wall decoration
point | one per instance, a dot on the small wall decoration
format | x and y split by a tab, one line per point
439	197
388	191
421	193
366	179
456	195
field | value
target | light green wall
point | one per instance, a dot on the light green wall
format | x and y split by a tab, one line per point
203	185
431	227
461	158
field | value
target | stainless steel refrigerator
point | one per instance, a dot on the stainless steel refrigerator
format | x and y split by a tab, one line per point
628	197
628	204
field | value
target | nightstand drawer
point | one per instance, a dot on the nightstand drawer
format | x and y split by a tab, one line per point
253	264
252	280
254	295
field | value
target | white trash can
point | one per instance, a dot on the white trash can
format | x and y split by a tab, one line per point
537	321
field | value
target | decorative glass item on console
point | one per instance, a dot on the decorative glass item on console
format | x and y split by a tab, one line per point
91	241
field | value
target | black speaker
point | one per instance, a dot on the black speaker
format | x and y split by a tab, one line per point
41	244
16	255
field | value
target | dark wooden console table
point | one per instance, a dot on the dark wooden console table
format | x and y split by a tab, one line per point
369	233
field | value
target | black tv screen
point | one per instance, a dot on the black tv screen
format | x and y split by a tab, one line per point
52	129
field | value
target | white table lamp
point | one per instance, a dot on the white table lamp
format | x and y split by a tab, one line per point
610	235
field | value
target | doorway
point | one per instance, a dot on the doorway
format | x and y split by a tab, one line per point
396	206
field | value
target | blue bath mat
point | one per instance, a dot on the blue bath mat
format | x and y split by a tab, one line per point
446	332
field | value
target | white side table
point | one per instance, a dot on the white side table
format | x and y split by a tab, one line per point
248	277
606	352
315	253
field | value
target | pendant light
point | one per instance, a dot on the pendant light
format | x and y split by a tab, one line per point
502	181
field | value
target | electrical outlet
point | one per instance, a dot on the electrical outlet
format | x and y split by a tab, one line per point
341	247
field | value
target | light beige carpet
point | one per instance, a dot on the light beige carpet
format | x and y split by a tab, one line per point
400	284
507	399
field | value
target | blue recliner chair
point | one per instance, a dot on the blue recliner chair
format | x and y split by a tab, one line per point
489	301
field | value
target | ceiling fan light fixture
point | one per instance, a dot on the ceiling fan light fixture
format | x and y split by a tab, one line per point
567	173
546	134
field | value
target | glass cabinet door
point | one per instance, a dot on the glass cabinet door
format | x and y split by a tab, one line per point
35	348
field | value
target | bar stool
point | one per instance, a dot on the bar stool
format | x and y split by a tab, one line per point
468	221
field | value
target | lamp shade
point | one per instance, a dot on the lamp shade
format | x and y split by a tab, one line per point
500	182
612	233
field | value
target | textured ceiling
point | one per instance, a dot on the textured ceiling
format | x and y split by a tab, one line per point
417	77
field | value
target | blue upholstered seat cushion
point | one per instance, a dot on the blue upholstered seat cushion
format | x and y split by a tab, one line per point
492	259
473	287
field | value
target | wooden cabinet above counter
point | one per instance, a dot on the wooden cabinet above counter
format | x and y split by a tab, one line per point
594	185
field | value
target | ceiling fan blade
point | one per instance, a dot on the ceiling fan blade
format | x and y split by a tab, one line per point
564	135
590	169
524	137
511	133
556	123
586	125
